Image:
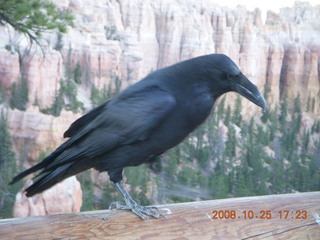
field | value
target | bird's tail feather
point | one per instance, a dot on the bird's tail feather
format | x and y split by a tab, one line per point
25	173
50	178
42	164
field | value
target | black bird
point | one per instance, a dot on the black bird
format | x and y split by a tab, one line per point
145	120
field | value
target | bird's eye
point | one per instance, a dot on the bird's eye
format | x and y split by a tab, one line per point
230	76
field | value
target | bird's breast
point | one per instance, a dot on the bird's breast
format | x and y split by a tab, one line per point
200	109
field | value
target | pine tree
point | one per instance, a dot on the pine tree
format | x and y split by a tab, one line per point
88	191
68	86
59	44
6	153
7	169
34	17
220	108
297	115
308	103
100	96
68	71
3	94
19	97
265	114
283	114
218	186
237	117
227	117
316	127
111	33
314	169
77	74
231	143
273	126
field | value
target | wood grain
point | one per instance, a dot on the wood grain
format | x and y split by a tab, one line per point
188	221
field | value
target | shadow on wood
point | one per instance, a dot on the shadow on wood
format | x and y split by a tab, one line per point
286	216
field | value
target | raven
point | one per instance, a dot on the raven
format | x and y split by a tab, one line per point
145	120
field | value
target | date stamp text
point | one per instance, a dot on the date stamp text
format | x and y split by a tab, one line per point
262	214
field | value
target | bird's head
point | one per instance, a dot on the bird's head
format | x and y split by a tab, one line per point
224	76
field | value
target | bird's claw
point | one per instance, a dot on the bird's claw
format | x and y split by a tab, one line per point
139	210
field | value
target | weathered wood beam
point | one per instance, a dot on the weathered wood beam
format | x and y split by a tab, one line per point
286	216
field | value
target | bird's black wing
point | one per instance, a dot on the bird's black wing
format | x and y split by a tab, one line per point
81	122
128	118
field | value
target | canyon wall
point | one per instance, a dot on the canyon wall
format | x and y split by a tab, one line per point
127	39
130	38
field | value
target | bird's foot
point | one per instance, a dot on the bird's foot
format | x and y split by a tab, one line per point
139	210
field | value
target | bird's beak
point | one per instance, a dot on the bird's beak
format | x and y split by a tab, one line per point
247	89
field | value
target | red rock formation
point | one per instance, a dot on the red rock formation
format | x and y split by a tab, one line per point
129	39
64	197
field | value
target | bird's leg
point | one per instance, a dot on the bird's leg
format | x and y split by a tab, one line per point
141	211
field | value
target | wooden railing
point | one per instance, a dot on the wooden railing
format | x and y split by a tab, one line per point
286	216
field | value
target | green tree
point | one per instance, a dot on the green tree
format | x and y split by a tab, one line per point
59	44
237	117
231	143
227	116
99	96
308	103
242	185
220	108
3	94
57	105
66	98
77	74
6	153
265	114
68	71
7	169
19	97
273	126
69	90
20	91
33	17
283	114
316	127
218	186
88	191
112	33
297	115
